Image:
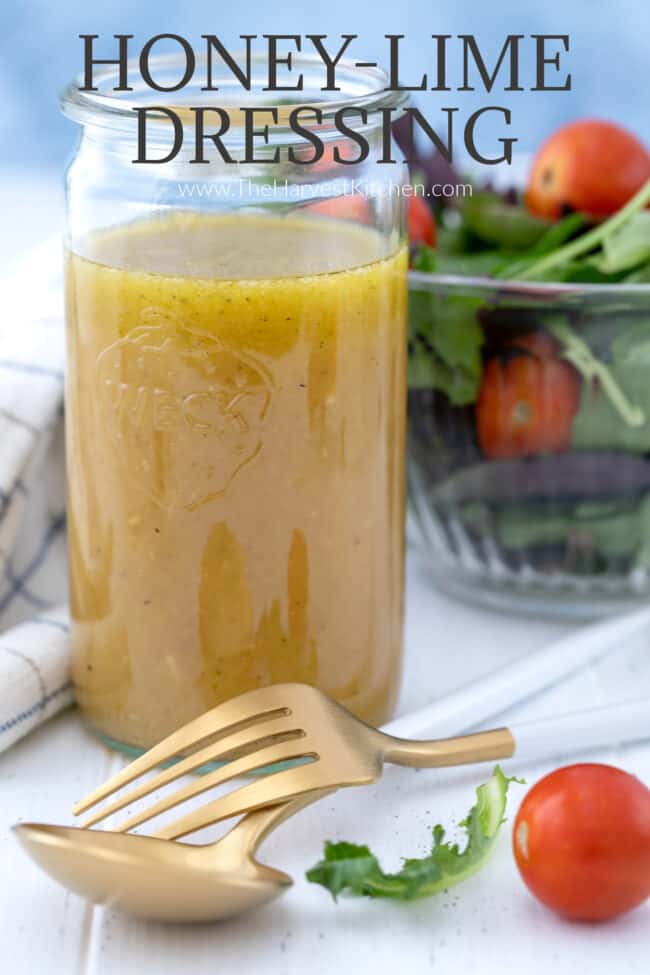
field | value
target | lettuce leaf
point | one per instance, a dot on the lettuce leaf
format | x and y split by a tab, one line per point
354	869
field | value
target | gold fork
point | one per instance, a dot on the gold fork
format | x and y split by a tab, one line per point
264	727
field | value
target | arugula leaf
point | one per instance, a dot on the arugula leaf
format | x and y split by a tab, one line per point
446	337
445	340
599	423
426	259
559	233
556	235
585	272
576	351
587	243
640	276
608	528
628	247
502	224
622	239
479	264
356	870
455	255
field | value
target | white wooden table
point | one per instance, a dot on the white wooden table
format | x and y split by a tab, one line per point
489	925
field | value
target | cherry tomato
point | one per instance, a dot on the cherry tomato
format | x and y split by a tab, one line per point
422	226
527	400
538	343
346	149
581	840
353	207
590	166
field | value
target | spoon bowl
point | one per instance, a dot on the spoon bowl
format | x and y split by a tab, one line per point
160	880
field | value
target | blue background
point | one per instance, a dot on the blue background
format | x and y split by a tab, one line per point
609	61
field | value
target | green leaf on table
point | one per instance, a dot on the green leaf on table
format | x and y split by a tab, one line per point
354	869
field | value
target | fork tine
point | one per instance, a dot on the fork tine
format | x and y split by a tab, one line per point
216	751
257	705
273	788
243	766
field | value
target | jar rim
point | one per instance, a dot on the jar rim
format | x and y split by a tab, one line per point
362	85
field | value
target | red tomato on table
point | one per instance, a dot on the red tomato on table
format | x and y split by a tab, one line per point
581	840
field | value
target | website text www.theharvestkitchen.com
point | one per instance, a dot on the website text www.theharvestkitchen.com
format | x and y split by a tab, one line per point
248	188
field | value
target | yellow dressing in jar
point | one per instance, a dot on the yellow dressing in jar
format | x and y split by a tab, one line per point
235	423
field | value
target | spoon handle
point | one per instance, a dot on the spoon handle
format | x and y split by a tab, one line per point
245	837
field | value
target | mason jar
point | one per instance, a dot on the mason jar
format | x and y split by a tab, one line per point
235	408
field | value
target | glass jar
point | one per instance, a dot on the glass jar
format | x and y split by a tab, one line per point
235	412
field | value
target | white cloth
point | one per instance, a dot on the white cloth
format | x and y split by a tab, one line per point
34	656
34	674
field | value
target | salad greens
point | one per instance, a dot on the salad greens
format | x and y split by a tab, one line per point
492	220
353	869
617	239
563	453
445	338
593	529
603	421
446	341
576	351
627	247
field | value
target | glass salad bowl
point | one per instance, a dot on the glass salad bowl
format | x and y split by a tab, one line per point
529	441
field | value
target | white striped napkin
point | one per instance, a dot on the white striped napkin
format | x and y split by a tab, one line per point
34	656
34	674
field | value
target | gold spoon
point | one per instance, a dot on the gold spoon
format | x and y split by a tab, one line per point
164	881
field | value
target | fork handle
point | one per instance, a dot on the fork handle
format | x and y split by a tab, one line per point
483	746
602	727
